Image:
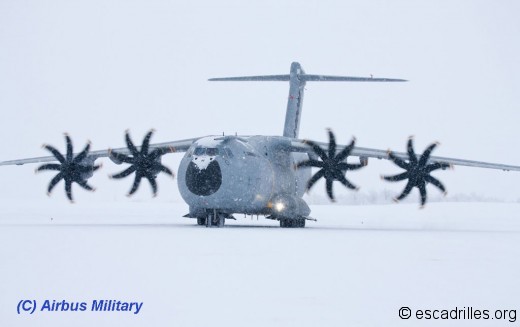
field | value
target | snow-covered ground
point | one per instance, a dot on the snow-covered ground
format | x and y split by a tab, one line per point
356	266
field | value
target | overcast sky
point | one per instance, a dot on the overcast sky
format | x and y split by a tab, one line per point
95	68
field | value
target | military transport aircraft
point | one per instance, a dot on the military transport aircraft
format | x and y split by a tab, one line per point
263	175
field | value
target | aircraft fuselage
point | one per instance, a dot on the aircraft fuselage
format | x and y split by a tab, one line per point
251	175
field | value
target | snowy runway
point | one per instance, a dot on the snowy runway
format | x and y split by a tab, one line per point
356	266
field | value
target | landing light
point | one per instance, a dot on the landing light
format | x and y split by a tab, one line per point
279	206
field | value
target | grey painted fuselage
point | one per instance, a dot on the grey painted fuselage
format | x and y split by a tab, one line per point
251	175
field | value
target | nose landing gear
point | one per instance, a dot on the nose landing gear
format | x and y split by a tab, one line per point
213	219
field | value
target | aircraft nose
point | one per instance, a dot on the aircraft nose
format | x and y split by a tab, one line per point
203	181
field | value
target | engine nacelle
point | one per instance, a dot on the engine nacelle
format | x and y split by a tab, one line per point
363	161
87	162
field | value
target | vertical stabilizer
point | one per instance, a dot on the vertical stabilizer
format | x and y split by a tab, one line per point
294	102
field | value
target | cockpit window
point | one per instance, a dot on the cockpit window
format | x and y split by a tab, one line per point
199	151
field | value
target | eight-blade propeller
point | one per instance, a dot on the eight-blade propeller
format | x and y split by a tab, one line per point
417	171
333	166
71	169
145	164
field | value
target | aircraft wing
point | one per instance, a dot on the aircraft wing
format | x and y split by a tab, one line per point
300	146
174	146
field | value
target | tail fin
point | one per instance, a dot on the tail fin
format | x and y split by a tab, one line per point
297	79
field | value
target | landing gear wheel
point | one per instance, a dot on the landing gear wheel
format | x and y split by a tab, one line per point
201	221
292	223
214	219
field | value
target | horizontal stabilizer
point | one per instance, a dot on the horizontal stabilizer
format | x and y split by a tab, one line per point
283	78
306	78
326	78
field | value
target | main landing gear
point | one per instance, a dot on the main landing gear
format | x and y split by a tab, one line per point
213	218
292	223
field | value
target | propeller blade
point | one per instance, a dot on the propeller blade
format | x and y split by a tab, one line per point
426	154
125	172
315	178
145	164
54	181
70	151
397	178
166	170
55	153
310	163
333	166
406	191
137	181
68	189
398	161
346	151
83	154
332	144
329	189
153	183
411	153
422	191
343	180
146	142
417	171
71	169
435	182
49	167
85	185
130	145
437	165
